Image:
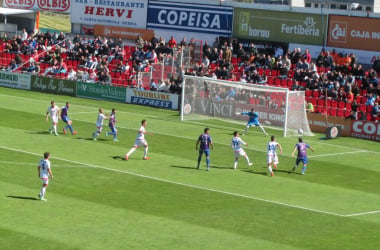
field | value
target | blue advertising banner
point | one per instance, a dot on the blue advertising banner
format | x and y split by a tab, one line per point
152	98
210	19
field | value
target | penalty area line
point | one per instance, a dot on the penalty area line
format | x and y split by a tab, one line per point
194	186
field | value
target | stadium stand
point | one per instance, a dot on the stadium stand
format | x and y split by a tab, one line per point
330	87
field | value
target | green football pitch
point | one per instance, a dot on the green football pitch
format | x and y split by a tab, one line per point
97	200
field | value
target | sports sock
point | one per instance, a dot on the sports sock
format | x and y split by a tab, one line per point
145	152
131	151
303	169
70	127
235	164
208	162
247	159
43	190
270	169
246	130
262	128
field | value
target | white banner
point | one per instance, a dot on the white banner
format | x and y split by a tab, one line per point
15	80
152	98
48	5
124	13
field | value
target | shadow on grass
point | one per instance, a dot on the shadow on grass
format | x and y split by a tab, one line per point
22	197
184	167
117	157
254	171
195	168
39	132
90	139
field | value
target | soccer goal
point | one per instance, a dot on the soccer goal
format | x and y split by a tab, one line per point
280	108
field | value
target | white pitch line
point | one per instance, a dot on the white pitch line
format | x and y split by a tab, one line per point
36	164
363	213
197	187
344	153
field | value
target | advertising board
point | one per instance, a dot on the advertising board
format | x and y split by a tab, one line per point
366	130
123	32
354	32
47	5
53	85
15	80
152	98
279	26
210	19
318	123
101	92
124	13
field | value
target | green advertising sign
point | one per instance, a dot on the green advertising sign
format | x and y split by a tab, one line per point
53	85
99	91
279	26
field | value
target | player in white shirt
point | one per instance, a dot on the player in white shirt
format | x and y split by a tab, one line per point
53	113
140	142
99	124
272	157
236	145
44	172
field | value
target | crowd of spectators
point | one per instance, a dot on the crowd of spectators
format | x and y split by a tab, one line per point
333	76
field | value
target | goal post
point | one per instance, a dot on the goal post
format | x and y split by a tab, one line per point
203	98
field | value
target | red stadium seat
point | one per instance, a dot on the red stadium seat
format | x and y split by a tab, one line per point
277	82
332	111
369	108
270	80
348	106
313	101
321	102
342	104
363	99
363	107
284	83
316	93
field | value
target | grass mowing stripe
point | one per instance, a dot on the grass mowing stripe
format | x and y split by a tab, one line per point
195	122
189	185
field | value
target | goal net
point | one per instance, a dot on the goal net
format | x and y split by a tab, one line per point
280	108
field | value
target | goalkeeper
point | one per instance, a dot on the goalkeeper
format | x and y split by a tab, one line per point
253	120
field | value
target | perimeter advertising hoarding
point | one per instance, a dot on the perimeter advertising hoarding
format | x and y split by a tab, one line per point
366	130
101	92
183	17
152	98
354	32
53	85
15	80
110	12
279	26
48	5
318	123
123	32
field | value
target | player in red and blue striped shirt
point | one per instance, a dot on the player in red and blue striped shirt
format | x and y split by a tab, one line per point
205	142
